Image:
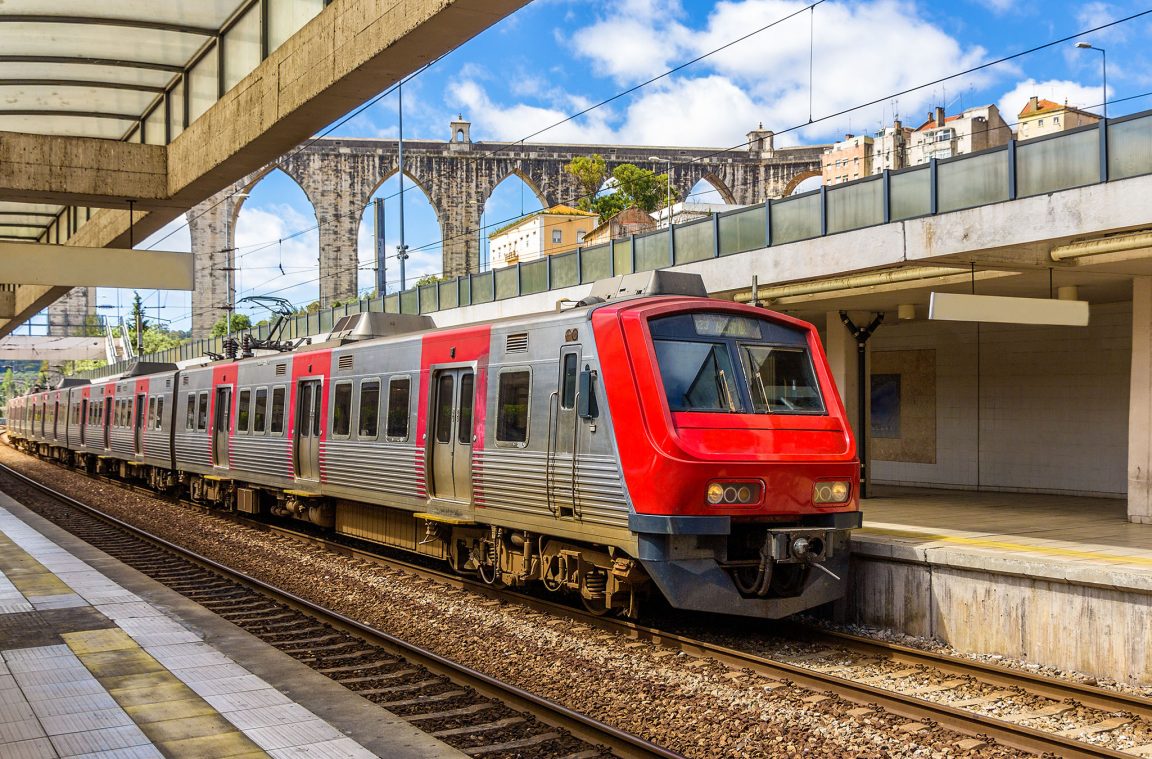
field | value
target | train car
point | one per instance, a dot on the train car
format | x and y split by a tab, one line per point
646	438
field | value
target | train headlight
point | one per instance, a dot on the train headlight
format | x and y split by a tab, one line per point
734	493
831	492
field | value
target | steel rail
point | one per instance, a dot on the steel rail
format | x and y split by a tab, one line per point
622	743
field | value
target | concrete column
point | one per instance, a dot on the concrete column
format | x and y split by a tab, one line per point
211	229
70	316
840	347
338	240
458	224
1140	405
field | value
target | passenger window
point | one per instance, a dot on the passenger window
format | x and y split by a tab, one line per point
151	425
464	428
568	394
242	412
398	399
369	410
512	407
342	409
190	420
259	412
277	425
159	413
444	409
202	412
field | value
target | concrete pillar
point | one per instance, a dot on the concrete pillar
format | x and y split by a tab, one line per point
458	225
339	228
1140	405
211	229
74	314
840	347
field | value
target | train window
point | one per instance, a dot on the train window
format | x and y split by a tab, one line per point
697	376
202	412
399	392
568	391
369	421
512	407
342	409
159	424
151	423
444	401
464	426
243	405
260	411
190	419
781	380
276	424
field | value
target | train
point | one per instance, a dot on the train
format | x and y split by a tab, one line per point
647	438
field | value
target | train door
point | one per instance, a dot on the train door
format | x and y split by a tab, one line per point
106	420
138	427
560	465
308	398
221	423
56	420
452	434
83	420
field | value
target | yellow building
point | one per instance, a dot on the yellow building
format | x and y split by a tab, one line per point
554	230
1042	117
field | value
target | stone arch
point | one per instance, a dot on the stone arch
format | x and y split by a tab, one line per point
417	220
416	181
795	181
717	184
516	171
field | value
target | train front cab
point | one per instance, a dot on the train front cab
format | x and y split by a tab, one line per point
739	459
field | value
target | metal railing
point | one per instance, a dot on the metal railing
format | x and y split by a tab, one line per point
1112	149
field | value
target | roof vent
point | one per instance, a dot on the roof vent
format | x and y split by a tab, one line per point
517	343
367	325
646	283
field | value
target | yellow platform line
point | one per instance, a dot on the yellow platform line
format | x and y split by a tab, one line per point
172	715
1070	553
29	576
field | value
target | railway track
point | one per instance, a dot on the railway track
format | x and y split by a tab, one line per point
1013	708
474	713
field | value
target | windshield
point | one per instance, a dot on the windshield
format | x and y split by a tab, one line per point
718	362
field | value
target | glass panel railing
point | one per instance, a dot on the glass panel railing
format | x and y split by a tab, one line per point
742	230
564	272
466	290
694	241
856	205
376	304
408	302
447	296
534	277
910	193
652	251
1057	163
392	303
429	298
796	218
972	180
325	320
622	256
484	287
595	263
1130	147
507	282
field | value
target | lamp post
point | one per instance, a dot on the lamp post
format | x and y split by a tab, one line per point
1104	67
668	189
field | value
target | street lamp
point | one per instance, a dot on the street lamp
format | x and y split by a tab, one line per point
668	190
1104	64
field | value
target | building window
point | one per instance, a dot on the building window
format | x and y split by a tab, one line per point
580	236
1056	121
1040	122
557	236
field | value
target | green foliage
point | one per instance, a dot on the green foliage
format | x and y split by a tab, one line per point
590	172
632	186
646	189
430	279
157	339
240	322
608	205
136	315
7	386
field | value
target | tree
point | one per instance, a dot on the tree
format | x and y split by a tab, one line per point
590	172
240	322
136	320
630	186
7	386
430	279
643	187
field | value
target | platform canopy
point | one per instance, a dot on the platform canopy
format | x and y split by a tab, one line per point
154	106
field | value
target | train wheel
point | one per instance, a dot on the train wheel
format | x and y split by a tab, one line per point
593	592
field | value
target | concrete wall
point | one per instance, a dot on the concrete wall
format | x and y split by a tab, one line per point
1040	409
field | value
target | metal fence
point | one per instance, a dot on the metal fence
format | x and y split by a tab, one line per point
1113	149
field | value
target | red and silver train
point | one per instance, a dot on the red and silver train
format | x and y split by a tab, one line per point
647	437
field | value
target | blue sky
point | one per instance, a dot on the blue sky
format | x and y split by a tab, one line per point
554	58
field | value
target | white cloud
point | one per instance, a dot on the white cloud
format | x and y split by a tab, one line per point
259	255
1058	91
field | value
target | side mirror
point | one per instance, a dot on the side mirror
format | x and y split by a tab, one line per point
586	405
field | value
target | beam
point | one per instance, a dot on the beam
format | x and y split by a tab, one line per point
45	348
28	263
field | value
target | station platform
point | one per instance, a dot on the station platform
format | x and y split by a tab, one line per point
97	660
1058	580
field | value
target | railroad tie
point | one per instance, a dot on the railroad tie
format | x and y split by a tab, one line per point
1100	727
981	700
461	712
498	724
511	745
423	699
1047	711
1145	750
890	675
938	688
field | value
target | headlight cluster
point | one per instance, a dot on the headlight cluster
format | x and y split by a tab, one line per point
737	493
831	492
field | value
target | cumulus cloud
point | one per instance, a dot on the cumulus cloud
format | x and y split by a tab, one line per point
1057	90
259	257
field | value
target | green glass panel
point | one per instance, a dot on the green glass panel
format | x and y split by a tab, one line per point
622	256
448	297
534	277
326	320
428	298
507	285
564	272
1130	148
652	251
855	205
742	230
595	264
466	290
392	303
909	193
484	288
796	218
408	304
1057	163
694	242
974	180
